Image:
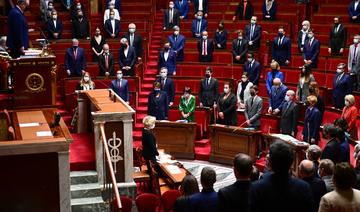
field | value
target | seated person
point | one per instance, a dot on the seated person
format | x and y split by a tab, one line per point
121	86
187	105
220	37
112	26
54	26
269	9
111	8
199	25
205	48
239	48
86	83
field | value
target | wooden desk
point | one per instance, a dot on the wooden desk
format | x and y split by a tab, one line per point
175	138
227	141
175	179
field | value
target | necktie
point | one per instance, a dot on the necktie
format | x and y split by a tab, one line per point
180	2
252	101
338	78
251	32
238	46
75	53
354	58
244	11
170	16
310	43
119	84
131	39
199	27
175	38
106	61
280	40
208	82
55	24
162	83
204	52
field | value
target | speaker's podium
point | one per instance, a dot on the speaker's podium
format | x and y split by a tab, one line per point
34	81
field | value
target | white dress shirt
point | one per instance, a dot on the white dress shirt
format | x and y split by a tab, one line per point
54	21
166	55
107	14
113	26
126	51
201	5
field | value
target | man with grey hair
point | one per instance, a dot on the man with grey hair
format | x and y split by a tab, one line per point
3	47
177	43
342	86
106	62
354	60
303	35
135	40
289	114
127	58
326	171
277	95
313	153
75	61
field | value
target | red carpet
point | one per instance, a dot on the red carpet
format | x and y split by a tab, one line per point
82	152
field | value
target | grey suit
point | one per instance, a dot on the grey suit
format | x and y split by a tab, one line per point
289	118
354	63
253	108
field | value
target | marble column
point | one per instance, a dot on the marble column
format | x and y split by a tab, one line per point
128	150
64	181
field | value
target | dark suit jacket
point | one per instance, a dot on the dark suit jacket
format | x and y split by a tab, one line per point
235	197
75	65
205	6
338	39
332	151
281	193
221	38
289	118
354	12
149	150
18	32
256	36
170	63
168	87
209	94
277	96
109	29
312	52
194	27
204	201
253	111
209	50
102	62
228	107
341	88
176	18
122	91
300	39
177	45
318	189
253	71
137	43
249	12
239	50
271	12
281	52
81	29
158	106
129	60
117	5
183	8
52	29
312	123
181	204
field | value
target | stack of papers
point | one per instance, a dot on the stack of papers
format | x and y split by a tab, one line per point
173	169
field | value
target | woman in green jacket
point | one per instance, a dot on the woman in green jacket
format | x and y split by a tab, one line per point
187	105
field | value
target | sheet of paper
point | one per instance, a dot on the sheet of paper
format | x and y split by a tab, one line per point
173	169
31	124
43	133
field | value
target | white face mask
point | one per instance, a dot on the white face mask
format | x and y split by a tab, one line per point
305	28
339	71
356	40
199	17
152	127
171	6
226	90
204	37
243	79
131	30
86	78
106	51
287	98
78	6
119	76
310	36
249	60
176	32
163	74
347	103
253	22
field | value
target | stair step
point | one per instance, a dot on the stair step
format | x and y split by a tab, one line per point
93	204
80	177
141	109
202	143
85	190
144	94
146	85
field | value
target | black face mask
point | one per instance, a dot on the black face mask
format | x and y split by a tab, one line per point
311	90
207	75
252	93
80	16
123	45
166	48
336	24
221	27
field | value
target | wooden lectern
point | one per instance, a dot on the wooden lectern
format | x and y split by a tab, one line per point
34	82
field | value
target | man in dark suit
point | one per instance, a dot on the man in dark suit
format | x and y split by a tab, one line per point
317	185
167	58
209	89
205	48
235	197
289	114
244	10
281	48
158	105
121	87
167	85
112	26
54	26
127	58
342	86
207	199
253	108
177	43
303	35
279	191
354	11
18	32
171	17
183	7
198	25
332	149
338	37
239	48
75	61
201	5
135	40
253	68
311	50
277	95
106	62
80	27
253	34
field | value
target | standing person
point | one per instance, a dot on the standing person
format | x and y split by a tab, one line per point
80	26
171	17
349	113
343	139
158	105
201	5
302	89
277	95
135	40
253	68
226	105
167	58
354	11
320	105
272	74
97	43
54	26
106	62
188	187
18	31
303	35
269	10
220	37
244	10
75	61
253	108
239	48
199	25
187	105
177	43
281	48
167	85
121	87
209	89
127	58
253	34
183	7
312	122
354	61
338	37
342	86
243	91
111	8
326	171
86	83
112	26
148	140
311	50
205	48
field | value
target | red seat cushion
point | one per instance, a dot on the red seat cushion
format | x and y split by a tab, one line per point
147	202
169	199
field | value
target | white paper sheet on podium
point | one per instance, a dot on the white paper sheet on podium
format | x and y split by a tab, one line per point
173	169
30	124
43	133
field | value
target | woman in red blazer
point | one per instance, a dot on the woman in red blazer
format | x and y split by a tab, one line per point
349	114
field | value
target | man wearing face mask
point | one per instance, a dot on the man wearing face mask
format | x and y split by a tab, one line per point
135	40
253	68
75	8
80	27
277	95
167	85
167	58
303	35
183	7
253	108
244	10
44	8
127	58
54	26
46	13
341	86
75	61
121	86
198	25
338	37
281	48
253	34
289	114
239	48
354	11
209	89
311	50
111	7
106	62
177	43
205	48
158	105
112	26
354	61
171	17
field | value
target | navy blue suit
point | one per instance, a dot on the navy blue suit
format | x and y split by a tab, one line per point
158	105
121	88
354	12
127	61
253	69
195	27
255	37
281	51
342	86
204	201
311	52
170	63
183	8
332	151
270	77
209	50
75	65
277	96
221	38
109	29
178	45
52	29
168	87
312	123
18	32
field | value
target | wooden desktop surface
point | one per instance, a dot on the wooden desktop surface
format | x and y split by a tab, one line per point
100	98
175	178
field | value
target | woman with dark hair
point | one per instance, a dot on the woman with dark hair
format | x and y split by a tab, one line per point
97	42
302	90
187	105
227	107
220	37
189	186
343	138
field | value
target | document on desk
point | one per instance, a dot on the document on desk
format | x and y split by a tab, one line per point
173	169
43	133
30	124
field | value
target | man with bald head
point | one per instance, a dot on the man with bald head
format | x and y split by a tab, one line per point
277	95
135	40
317	185
205	48
106	62
75	60
127	58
